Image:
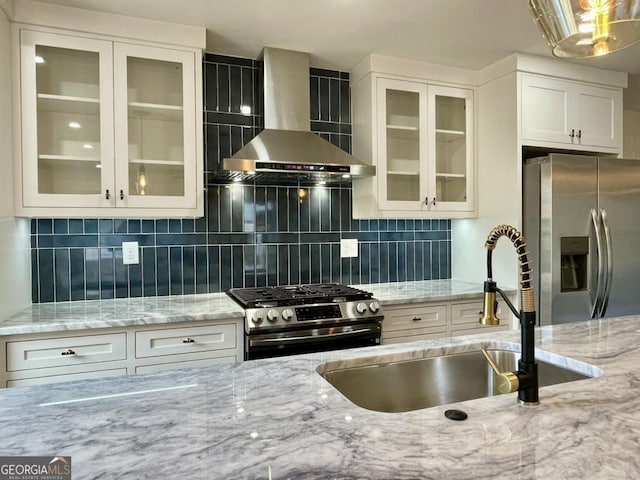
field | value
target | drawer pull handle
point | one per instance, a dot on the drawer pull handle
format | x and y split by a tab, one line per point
416	319
188	340
68	351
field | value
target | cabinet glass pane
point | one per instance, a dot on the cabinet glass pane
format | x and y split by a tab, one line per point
156	133
403	145
68	115
451	149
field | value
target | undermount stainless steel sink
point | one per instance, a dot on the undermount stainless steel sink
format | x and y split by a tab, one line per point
414	384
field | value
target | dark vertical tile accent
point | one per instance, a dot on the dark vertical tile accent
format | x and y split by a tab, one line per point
283	265
445	260
426	258
235	100
261	265
120	275
148	226
175	225
393	261
214	269
283	209
335	207
316	263
188	225
355	271
46	274
261	209
402	261
105	225
237	208
334	100
212	149
106	273
374	256
223	88
224	142
325	262
62	275
120	225
135	280
162	271
410	270
188	270
435	260
324	99
213	209
225	209
314	90
33	225
365	265
303	208
325	209
336	264
45	226
35	274
294	224
162	225
249	265
148	272
345	211
304	263
92	272
345	143
385	259
237	134
294	264
175	271
76	225
226	272
345	271
248	209
133	226
272	209
237	266
202	271
345	102
418	261
210	86
272	265
247	87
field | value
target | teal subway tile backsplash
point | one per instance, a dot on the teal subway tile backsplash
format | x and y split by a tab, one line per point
251	235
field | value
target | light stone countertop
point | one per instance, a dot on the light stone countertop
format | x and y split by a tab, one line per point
278	419
81	315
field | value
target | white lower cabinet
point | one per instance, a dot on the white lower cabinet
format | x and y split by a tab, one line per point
59	357
426	321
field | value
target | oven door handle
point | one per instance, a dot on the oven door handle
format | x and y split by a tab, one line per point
307	338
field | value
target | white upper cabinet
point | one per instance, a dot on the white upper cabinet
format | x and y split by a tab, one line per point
108	128
420	138
574	114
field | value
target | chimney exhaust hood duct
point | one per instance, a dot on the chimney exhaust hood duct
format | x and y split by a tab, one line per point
286	148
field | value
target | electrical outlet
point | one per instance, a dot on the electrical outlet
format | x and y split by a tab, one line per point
348	247
130	253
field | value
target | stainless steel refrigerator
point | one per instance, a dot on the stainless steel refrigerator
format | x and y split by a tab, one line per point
581	221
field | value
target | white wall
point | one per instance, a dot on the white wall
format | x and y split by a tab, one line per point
631	134
15	257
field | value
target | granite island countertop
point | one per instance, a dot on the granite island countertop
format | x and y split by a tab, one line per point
125	312
278	419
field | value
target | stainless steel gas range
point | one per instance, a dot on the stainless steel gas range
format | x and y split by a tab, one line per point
297	319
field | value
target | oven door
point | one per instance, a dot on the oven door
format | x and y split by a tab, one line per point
293	342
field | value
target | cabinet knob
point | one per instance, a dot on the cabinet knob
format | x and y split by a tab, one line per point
68	351
107	195
573	133
416	319
188	340
579	134
121	194
426	200
434	201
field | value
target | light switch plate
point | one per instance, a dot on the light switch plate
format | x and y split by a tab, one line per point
348	247
130	253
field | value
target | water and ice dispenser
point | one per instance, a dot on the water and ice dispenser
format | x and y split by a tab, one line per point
574	264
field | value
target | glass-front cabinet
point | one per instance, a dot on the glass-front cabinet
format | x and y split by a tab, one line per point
106	125
424	147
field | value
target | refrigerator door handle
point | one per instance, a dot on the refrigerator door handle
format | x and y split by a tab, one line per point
609	278
595	308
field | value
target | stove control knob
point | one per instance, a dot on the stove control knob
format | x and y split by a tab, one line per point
257	318
272	315
361	308
374	307
287	314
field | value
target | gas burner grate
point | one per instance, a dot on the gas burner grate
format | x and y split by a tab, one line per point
296	295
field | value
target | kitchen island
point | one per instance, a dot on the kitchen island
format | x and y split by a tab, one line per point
279	419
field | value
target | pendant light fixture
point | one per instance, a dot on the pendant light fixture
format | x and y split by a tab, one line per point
587	28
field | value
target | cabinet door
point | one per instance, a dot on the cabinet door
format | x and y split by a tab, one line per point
450	149
402	144
67	128
597	116
155	122
546	109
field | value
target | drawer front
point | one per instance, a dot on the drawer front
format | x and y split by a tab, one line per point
403	336
61	352
415	317
171	341
23	382
477	330
469	313
188	364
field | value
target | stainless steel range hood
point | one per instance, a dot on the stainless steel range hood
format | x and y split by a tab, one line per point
286	147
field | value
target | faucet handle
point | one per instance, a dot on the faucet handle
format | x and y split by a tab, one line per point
508	382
